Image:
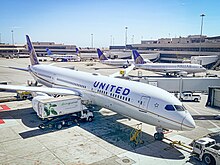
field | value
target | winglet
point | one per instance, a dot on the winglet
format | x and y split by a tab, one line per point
137	57
48	51
101	55
33	55
124	71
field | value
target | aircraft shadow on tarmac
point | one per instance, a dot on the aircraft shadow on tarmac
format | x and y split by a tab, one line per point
104	127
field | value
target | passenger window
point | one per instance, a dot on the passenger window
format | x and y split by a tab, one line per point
169	108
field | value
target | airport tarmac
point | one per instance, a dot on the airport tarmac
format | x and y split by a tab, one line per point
106	140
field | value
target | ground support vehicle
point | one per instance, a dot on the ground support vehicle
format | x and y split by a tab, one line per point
67	120
207	150
189	96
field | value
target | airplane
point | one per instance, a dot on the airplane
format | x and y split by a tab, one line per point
114	62
62	57
143	102
86	55
180	69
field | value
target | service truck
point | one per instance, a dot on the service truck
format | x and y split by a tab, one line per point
60	110
189	96
207	150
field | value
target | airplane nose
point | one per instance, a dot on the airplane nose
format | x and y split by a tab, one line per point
188	123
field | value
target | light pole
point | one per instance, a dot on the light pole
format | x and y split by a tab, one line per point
0	38
110	40
12	37
126	35
92	40
200	43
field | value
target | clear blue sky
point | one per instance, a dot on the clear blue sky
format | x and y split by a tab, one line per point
73	21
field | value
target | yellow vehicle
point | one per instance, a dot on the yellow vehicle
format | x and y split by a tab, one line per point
136	134
24	95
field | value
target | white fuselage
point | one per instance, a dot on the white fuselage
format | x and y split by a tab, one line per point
66	57
171	68
118	62
140	101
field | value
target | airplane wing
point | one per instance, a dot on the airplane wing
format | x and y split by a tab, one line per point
125	74
11	67
40	89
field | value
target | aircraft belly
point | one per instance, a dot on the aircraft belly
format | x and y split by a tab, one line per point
130	110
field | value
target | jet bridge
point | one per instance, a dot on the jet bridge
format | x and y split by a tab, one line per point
181	84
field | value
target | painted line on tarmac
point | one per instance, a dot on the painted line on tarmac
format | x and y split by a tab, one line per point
200	114
3	107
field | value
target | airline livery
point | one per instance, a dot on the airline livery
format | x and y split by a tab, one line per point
115	62
168	68
63	57
143	102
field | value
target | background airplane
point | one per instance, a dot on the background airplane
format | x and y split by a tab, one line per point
181	69
114	62
143	102
63	57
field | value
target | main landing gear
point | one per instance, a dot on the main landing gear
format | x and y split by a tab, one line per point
159	135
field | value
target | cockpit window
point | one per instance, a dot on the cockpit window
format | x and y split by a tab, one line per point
180	108
169	108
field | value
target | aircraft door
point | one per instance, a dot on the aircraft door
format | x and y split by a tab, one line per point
143	102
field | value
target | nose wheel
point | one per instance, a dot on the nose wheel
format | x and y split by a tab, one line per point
159	135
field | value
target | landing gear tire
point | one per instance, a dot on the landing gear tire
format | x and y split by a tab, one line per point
59	126
158	136
90	119
69	123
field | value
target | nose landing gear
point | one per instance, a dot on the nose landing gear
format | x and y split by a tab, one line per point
159	135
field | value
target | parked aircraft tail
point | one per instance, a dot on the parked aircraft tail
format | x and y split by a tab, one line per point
101	55
137	57
77	51
49	51
33	55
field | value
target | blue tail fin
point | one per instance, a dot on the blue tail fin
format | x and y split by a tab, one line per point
33	55
101	55
48	51
77	51
137	57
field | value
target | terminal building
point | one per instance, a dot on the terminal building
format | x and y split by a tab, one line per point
190	43
184	46
181	49
40	48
